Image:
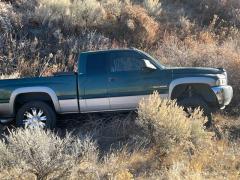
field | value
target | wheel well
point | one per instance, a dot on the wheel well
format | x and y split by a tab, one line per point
23	98
188	90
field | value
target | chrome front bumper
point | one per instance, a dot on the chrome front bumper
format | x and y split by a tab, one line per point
224	95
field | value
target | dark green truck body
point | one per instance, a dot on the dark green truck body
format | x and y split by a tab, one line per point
114	80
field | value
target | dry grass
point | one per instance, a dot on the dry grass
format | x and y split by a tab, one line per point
154	7
48	35
18	54
44	154
12	76
128	19
79	13
137	22
180	150
8	18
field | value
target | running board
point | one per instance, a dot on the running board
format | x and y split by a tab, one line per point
5	121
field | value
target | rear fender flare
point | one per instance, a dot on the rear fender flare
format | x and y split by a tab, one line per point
36	89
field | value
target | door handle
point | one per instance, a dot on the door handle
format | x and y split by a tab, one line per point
111	79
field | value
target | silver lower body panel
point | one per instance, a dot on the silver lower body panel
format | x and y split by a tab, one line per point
69	106
112	103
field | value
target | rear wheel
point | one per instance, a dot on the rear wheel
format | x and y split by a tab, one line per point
192	103
36	114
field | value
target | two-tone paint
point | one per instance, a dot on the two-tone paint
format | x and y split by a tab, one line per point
80	92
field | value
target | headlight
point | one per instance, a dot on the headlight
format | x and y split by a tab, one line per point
221	82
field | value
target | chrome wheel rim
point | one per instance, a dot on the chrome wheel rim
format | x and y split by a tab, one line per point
35	117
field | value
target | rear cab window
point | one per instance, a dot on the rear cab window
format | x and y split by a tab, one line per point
96	64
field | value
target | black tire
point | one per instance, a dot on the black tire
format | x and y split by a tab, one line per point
48	111
197	102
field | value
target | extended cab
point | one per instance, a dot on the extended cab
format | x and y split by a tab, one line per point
111	80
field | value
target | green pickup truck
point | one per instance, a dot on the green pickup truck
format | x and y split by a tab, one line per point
111	80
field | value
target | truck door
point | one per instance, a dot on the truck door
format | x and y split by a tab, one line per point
93	83
131	78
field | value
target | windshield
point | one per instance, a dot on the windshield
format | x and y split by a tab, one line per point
147	56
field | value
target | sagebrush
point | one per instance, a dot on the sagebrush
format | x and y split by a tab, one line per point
41	37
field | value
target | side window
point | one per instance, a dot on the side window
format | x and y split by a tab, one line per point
96	64
125	62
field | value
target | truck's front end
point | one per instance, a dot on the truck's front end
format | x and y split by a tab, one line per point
222	90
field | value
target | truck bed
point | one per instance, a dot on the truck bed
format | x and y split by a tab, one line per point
63	85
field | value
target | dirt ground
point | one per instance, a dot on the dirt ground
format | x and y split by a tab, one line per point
223	126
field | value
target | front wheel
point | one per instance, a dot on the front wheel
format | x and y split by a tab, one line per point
192	103
36	114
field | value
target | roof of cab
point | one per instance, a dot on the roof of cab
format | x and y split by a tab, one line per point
110	50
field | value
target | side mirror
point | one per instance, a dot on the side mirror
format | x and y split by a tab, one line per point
147	69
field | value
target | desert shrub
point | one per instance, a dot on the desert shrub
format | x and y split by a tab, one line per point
217	160
48	35
113	10
87	13
8	18
18	54
24	5
53	10
228	11
44	154
12	76
203	11
137	25
106	16
7	159
180	170
80	13
221	157
125	164
115	165
153	7
166	123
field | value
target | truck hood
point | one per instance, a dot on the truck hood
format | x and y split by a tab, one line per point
195	70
